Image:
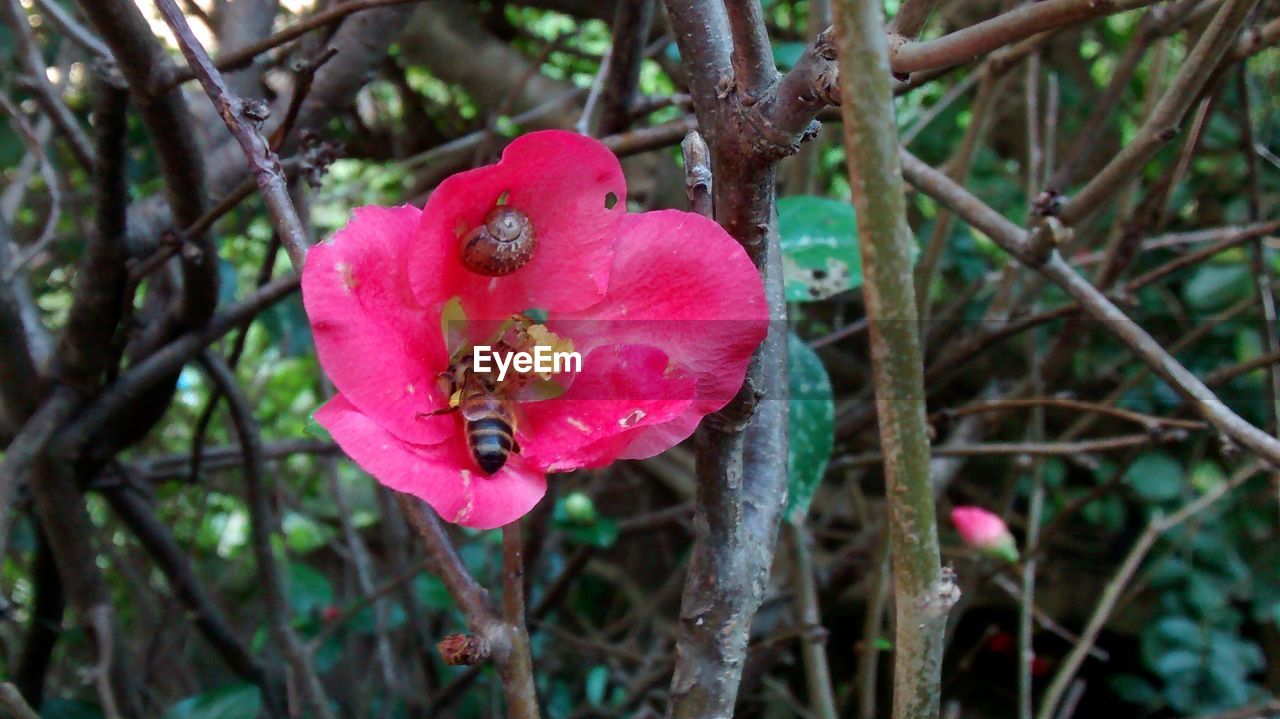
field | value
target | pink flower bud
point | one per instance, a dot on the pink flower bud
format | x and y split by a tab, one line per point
985	532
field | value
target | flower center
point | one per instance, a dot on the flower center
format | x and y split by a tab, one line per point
521	359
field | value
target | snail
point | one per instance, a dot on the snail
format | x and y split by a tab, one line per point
502	245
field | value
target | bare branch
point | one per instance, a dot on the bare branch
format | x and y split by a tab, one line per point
1162	124
243	56
263	528
923	591
33	66
1032	251
1158	527
36	147
964	45
236	113
145	64
753	68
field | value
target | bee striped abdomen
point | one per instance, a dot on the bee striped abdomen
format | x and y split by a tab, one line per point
490	442
490	434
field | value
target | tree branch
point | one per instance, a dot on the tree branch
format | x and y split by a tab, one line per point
964	45
1162	124
500	637
1158	527
240	117
145	64
1037	252
741	462
262	529
631	24
923	592
752	59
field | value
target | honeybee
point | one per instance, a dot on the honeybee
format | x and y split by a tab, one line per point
488	417
488	414
502	245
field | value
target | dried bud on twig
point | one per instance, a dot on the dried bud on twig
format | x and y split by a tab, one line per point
463	650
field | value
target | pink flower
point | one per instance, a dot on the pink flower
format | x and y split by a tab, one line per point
985	532
664	308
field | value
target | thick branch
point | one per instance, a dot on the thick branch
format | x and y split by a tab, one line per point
923	592
144	64
741	464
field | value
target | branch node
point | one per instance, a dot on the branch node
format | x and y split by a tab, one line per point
943	595
735	416
1044	239
254	110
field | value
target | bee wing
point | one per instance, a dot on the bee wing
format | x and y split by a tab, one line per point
453	325
537	389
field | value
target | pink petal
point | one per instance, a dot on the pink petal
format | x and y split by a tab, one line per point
382	349
620	389
680	283
442	474
560	180
979	527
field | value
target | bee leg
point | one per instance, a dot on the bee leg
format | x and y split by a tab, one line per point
445	410
515	446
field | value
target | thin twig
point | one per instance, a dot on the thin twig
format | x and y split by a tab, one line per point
1162	124
263	528
1030	250
69	26
1158	527
813	648
46	93
517	669
31	139
1018	24
497	635
1000	405
243	56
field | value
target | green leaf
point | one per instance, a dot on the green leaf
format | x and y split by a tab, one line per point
69	709
1156	477
811	416
1135	690
1214	287
236	701
787	54
309	590
316	430
287	325
819	238
597	681
453	324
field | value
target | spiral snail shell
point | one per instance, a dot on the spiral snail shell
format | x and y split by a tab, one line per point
502	245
